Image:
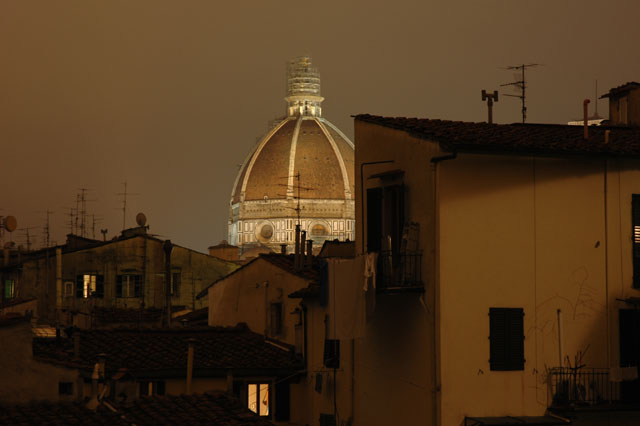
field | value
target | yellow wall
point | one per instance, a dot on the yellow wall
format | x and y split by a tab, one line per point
529	233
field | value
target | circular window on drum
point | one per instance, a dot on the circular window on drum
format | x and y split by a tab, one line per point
264	232
319	231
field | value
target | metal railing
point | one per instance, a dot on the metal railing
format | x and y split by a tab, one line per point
582	387
399	270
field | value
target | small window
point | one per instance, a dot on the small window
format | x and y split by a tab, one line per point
9	289
152	388
68	289
129	285
89	285
506	328
331	357
65	388
176	279
276	318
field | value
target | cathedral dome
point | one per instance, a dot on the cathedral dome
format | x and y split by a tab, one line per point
302	169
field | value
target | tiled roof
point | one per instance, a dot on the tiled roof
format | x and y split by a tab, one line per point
163	352
517	139
632	85
119	315
215	408
284	262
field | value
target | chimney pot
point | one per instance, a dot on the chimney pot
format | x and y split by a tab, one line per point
309	257
607	134
283	249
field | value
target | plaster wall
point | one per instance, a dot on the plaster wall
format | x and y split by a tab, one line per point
25	379
539	234
247	295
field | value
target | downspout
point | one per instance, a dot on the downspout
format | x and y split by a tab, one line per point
369	163
606	262
304	334
437	414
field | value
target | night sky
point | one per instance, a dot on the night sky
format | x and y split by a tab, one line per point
171	95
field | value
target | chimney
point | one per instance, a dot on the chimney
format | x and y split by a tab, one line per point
283	249
191	341
309	258
297	248
303	241
585	105
607	134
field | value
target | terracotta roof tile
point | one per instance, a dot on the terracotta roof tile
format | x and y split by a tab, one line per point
517	139
215	408
163	352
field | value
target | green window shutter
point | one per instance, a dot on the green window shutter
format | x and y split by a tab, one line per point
506	328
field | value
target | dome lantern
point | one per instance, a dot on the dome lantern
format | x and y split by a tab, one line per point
303	88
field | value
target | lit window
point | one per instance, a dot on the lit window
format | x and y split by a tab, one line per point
89	285
635	219
152	388
9	289
258	398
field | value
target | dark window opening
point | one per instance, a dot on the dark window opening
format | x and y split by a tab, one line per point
283	404
385	218
276	318
331	358
506	327
129	285
152	388
176	280
65	388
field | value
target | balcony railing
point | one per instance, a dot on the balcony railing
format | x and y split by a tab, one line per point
584	387
399	271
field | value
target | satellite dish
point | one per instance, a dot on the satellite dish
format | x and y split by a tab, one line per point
141	219
10	223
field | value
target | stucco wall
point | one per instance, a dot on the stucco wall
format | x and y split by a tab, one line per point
529	233
25	379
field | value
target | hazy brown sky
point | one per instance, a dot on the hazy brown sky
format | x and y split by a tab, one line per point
171	95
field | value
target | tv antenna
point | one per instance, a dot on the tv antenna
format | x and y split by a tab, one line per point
94	221
27	236
82	212
490	98
125	194
46	229
299	188
520	84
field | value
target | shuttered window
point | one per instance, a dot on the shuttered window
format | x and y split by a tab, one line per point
506	327
635	236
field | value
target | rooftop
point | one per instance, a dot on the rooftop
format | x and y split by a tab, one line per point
517	139
163	352
217	408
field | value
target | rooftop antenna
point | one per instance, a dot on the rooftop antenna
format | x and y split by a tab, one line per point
83	212
124	204
46	229
596	116
94	221
71	215
520	84
9	224
27	235
298	209
490	98
104	234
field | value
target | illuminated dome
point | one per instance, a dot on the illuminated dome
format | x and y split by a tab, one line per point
303	166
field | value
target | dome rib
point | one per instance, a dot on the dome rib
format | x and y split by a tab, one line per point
338	154
292	159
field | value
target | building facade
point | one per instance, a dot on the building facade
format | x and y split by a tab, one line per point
300	172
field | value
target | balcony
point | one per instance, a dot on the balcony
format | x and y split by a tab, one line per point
399	272
589	389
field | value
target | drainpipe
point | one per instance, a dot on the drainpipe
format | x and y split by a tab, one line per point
297	248
303	241
560	348
59	288
437	414
309	258
191	343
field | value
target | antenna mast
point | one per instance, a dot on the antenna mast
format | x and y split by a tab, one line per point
522	85
124	204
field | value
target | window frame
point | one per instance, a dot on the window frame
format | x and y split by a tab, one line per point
9	283
132	283
83	288
635	239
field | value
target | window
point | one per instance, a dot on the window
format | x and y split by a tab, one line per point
152	388
9	289
65	388
331	357
506	339
385	218
68	289
258	399
175	283
635	235
276	318
129	285
89	285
